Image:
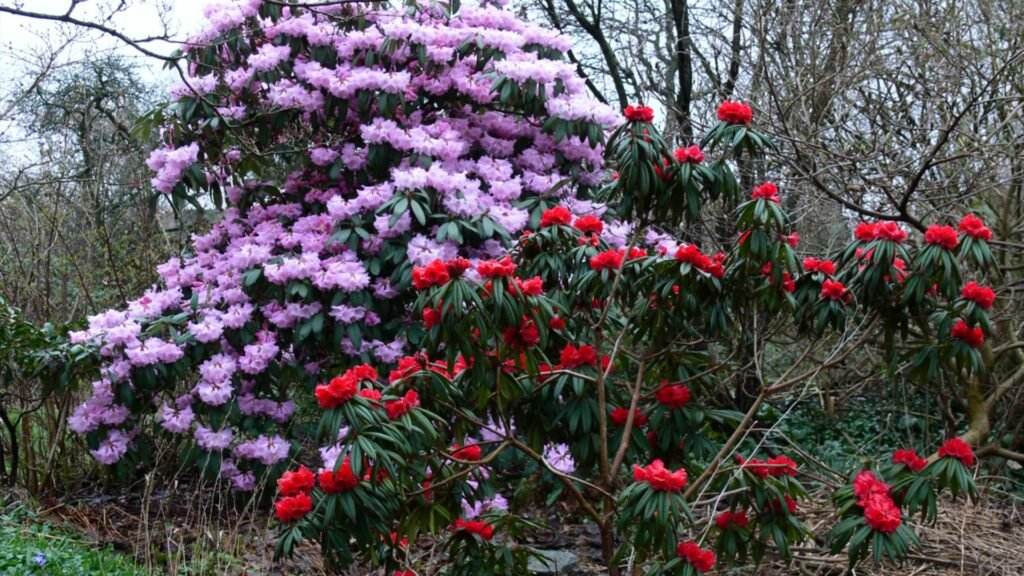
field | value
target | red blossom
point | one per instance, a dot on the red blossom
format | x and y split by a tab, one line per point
702	560
823	266
336	392
433	274
496	268
396	408
833	290
341	481
370	394
974	337
573	357
557	216
767	191
430	317
407	366
692	255
529	287
478	527
295	482
982	295
755	466
728	520
589	224
523	336
469	453
607	260
973	226
672	396
865	231
890	231
792	239
619	416
456	266
910	459
943	236
292	508
735	112
660	478
363	372
637	113
690	154
957	448
881	513
556	323
782	466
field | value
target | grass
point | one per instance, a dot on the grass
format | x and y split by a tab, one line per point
30	545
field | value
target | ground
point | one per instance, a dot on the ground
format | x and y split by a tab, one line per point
184	530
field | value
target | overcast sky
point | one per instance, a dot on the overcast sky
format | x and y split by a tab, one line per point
23	38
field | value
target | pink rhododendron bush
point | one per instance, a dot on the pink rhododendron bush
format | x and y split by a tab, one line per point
474	275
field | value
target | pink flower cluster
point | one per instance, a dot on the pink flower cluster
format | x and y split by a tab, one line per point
211	316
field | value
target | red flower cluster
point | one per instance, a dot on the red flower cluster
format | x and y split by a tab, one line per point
478	527
672	396
292	508
456	266
692	255
910	459
973	226
823	266
557	216
396	408
735	112
788	284
791	239
430	317
556	323
957	448
982	295
339	390
702	560
865	232
638	113
728	519
890	231
755	466
469	453
607	260
690	154
782	466
775	466
496	268
943	236
880	512
523	336
342	388
294	482
341	481
833	290
589	224
573	357
974	337
767	191
786	503
619	416
433	274
659	477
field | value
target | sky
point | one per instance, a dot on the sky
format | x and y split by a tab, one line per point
22	39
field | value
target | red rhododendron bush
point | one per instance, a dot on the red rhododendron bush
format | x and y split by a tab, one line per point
493	291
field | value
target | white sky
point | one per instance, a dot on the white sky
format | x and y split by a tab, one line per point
22	39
